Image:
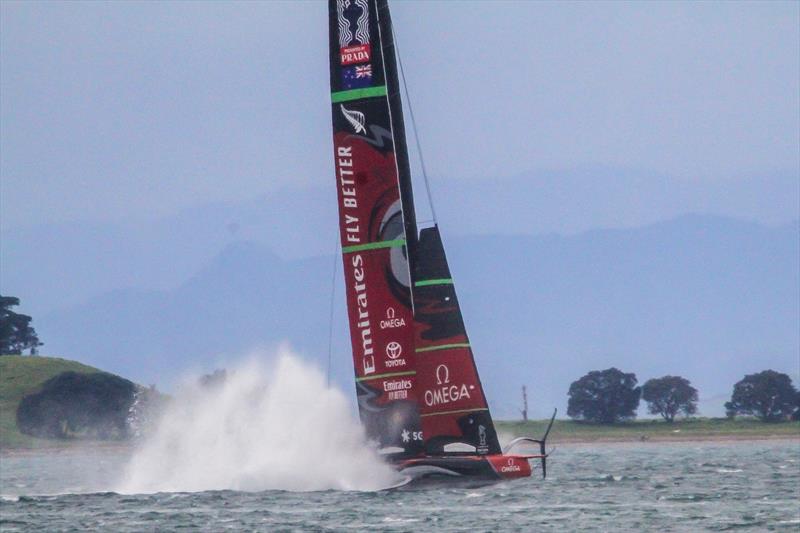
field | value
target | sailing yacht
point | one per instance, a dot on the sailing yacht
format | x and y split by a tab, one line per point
419	394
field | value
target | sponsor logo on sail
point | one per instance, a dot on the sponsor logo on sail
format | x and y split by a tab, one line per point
442	375
363	324
344	168
391	321
398	384
352	17
446	392
397	389
355	54
394	350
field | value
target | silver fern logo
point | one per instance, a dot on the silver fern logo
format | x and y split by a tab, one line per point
355	118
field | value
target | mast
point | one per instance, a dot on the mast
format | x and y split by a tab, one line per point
399	129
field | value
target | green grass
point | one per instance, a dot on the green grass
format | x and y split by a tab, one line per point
693	428
22	375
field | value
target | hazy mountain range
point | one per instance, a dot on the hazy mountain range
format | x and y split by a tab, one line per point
710	298
59	265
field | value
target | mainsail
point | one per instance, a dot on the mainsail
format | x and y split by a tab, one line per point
417	385
373	228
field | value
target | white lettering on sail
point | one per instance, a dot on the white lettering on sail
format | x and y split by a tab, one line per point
397	389
344	168
391	321
401	384
407	435
445	395
363	325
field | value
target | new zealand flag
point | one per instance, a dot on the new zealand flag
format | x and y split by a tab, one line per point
357	76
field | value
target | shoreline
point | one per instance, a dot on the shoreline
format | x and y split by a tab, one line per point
657	439
129	446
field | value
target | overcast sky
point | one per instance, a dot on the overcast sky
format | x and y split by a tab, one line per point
125	109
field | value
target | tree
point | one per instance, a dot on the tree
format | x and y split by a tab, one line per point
769	395
796	413
604	396
670	395
16	333
74	404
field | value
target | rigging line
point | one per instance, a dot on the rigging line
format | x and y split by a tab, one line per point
332	308
414	126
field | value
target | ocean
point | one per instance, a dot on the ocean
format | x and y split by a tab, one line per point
682	486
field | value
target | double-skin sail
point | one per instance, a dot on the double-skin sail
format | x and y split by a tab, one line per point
417	385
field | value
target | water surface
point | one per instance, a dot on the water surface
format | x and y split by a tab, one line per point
611	487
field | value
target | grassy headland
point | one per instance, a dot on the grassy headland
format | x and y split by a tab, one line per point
653	430
19	377
24	375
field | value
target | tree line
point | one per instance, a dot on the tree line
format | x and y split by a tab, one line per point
601	396
610	396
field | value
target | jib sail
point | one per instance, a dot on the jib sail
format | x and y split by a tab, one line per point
373	224
452	404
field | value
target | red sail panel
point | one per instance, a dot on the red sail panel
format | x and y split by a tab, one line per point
452	404
372	229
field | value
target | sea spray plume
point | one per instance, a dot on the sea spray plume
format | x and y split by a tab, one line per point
277	427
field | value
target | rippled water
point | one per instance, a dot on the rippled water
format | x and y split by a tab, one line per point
613	487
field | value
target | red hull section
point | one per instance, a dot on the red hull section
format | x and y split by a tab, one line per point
488	467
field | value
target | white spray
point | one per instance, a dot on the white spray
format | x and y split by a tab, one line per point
262	428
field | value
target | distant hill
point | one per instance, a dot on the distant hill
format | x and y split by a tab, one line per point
60	265
21	376
709	298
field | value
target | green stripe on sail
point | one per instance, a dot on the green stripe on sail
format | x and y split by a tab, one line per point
443	347
391	375
373	245
457	411
356	94
428	282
